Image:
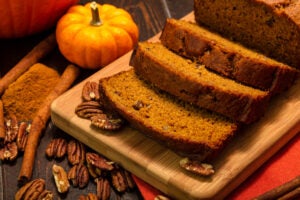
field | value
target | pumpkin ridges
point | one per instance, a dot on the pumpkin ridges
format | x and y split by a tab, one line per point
129	26
67	48
30	17
102	44
123	39
107	48
9	19
21	18
116	14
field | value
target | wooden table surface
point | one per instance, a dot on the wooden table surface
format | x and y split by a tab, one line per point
150	16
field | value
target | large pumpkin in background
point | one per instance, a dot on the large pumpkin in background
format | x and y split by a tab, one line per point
19	18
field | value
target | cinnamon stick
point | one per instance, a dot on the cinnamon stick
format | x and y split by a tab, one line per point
2	126
294	194
284	191
39	51
39	122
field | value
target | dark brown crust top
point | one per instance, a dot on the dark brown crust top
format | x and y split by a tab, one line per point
225	57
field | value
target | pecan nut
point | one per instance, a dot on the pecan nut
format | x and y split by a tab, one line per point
90	91
129	180
9	152
98	161
75	152
60	178
161	197
89	196
57	148
121	179
197	167
103	188
79	175
12	128
88	109
22	136
31	190
107	121
46	195
93	171
138	105
118	180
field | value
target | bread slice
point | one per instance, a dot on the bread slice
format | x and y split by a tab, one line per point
195	84
188	131
226	57
270	27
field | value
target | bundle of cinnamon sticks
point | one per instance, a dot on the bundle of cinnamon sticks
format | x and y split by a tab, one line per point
43	114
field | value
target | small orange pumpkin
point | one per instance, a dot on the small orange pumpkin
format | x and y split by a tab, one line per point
20	18
93	35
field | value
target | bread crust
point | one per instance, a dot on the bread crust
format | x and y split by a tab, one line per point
226	57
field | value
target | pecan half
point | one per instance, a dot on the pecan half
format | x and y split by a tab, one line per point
103	188
88	109
107	121
22	136
118	180
79	175
93	171
98	161
12	128
89	196
9	152
60	178
75	152
31	190
129	180
46	195
57	148
197	167
161	197
138	105
121	179
90	91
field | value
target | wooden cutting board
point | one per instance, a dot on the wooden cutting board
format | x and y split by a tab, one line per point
159	166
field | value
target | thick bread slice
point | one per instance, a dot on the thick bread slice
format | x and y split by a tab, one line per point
270	27
226	57
187	130
195	84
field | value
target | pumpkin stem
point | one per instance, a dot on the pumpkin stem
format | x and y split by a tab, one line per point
96	21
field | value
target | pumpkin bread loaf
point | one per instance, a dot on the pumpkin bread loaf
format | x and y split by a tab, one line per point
226	57
187	130
271	27
193	83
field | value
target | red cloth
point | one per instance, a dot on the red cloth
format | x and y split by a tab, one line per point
282	167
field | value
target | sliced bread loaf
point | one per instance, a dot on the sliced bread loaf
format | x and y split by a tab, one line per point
195	84
226	57
188	131
271	27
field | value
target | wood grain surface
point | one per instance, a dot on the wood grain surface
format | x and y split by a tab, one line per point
149	16
159	166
